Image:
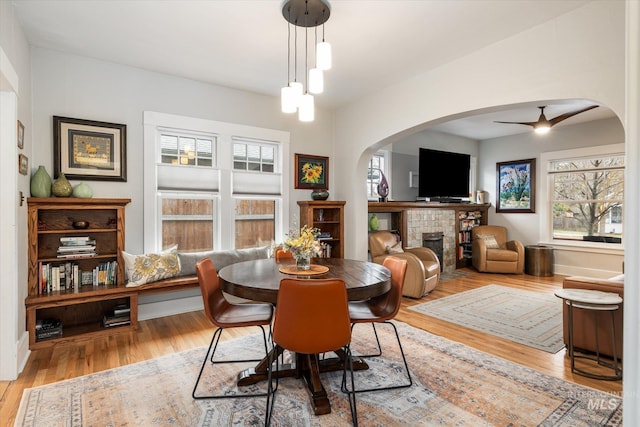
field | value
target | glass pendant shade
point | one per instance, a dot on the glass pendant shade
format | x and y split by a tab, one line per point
296	90
316	81
306	112
323	56
287	99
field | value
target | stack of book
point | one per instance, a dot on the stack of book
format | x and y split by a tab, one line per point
48	328
76	247
120	315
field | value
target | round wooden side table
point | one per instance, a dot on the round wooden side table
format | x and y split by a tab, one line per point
594	301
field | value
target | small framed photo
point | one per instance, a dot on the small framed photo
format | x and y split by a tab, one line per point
516	182
89	150
23	164
312	172
20	135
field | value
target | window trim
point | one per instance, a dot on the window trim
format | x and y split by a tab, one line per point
225	133
546	197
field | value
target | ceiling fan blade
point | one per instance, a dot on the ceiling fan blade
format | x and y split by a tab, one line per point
565	116
518	123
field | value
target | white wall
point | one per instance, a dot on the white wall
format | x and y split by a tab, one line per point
519	69
80	87
15	83
531	145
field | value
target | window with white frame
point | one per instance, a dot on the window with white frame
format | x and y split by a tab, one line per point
586	195
212	185
377	164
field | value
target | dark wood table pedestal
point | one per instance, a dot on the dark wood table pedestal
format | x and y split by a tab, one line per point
307	367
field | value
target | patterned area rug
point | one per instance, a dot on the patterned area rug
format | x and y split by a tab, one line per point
452	385
530	318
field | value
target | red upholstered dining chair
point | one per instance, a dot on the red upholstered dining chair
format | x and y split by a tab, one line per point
381	309
311	317
281	255
223	314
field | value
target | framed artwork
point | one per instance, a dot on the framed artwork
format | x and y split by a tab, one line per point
311	172
516	182
23	164
20	135
89	150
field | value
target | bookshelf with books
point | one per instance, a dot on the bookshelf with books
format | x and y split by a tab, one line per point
328	217
466	220
76	271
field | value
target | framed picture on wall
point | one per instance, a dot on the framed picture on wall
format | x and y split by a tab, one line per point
311	172
516	182
89	150
20	135
23	164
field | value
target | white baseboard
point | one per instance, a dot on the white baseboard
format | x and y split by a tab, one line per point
154	310
23	351
571	270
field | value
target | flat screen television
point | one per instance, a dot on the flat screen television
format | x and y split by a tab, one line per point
442	175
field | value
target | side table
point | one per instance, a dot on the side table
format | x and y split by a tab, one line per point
594	301
538	260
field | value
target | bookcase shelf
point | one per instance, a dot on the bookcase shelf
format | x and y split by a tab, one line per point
328	217
79	308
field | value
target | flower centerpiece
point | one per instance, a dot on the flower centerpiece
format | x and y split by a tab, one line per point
303	246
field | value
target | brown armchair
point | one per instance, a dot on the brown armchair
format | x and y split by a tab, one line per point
584	337
491	252
423	266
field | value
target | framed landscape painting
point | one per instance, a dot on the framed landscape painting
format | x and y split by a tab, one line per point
516	181
311	172
89	150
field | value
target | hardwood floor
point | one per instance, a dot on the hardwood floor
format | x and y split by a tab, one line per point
167	335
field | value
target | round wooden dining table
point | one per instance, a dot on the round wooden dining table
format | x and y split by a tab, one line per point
259	280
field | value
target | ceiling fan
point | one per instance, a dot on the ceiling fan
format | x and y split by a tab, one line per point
543	125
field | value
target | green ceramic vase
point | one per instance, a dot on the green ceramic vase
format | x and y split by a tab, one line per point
62	187
82	190
40	183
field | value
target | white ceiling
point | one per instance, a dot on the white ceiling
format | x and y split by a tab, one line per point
242	43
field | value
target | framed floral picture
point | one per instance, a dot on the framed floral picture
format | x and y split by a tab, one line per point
516	182
312	172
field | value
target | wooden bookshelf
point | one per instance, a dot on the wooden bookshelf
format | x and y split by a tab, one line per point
79	309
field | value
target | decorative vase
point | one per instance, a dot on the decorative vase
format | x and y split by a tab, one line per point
41	183
383	188
374	223
82	190
319	194
303	262
62	187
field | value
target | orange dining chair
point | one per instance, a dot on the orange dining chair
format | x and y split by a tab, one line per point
381	309
282	255
223	314
311	317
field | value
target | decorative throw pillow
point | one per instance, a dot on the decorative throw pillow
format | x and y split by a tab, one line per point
395	249
489	241
149	268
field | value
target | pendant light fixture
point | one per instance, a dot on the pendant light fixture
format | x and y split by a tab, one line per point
295	96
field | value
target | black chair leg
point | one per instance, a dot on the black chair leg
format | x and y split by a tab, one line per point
271	391
215	339
404	360
375	333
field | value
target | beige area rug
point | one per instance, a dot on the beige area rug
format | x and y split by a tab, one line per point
526	317
453	385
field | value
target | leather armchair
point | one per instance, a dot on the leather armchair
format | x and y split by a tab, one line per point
584	336
508	257
423	266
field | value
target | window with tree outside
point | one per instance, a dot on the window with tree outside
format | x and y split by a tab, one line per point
587	198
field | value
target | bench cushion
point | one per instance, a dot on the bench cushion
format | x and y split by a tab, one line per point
220	258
